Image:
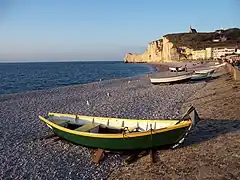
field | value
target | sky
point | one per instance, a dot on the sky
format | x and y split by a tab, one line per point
55	30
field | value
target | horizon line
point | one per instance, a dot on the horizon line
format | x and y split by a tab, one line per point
52	61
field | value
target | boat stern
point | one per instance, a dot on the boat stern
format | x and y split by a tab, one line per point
191	114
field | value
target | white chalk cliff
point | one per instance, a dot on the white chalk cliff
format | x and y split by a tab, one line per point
182	46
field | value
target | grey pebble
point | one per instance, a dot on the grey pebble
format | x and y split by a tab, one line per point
24	156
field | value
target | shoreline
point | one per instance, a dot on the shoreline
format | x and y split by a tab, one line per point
154	68
159	67
151	69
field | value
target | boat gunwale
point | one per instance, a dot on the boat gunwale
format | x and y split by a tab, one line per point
178	74
200	75
171	79
108	118
204	71
184	123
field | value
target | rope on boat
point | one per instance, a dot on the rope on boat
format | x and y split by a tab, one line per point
182	139
186	114
151	135
124	131
76	118
151	131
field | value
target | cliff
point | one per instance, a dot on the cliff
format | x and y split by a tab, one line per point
182	46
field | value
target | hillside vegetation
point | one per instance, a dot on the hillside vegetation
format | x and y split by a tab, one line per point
202	40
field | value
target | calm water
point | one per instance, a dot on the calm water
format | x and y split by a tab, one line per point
21	77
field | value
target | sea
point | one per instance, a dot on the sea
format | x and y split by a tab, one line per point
22	77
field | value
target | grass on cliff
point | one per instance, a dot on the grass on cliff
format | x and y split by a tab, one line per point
203	40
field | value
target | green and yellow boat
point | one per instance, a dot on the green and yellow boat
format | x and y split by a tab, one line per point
121	134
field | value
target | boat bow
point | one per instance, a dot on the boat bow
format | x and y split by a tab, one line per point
192	114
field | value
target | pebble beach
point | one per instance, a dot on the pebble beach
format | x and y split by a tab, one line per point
26	154
211	151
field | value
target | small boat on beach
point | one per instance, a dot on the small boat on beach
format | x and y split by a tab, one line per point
172	79
121	134
217	66
176	69
200	76
205	71
210	69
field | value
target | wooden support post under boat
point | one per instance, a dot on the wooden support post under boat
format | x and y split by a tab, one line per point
153	154
98	156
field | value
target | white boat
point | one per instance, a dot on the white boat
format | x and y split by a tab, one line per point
210	69
204	71
219	65
172	69
177	68
172	79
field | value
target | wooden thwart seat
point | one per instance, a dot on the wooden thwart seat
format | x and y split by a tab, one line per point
130	129
86	127
60	122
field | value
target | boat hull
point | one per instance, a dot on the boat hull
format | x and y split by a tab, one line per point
210	71
126	143
177	79
196	77
116	133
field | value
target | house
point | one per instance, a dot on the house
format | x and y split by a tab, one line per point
220	39
219	52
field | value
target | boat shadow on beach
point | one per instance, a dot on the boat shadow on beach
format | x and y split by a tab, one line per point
206	129
209	129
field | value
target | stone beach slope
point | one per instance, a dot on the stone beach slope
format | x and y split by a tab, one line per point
211	150
26	154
